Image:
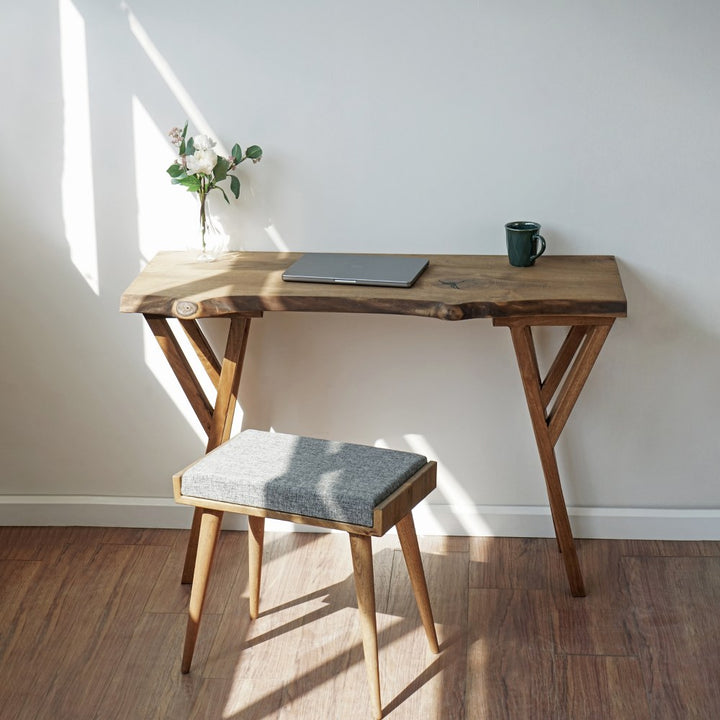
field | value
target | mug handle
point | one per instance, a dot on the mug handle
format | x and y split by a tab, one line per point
541	239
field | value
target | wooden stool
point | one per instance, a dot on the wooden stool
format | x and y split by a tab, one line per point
356	488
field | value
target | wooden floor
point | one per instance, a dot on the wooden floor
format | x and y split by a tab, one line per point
92	623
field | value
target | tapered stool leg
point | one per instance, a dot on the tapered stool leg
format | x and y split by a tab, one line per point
256	534
191	550
361	547
210	523
411	551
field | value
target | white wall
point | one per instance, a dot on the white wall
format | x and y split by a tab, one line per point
411	126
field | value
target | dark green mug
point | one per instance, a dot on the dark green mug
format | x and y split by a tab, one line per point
523	239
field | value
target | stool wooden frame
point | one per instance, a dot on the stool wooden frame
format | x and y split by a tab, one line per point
393	511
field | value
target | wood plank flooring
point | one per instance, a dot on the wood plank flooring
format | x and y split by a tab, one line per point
92	623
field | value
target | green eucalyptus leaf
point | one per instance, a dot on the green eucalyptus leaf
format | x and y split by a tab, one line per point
191	182
221	169
189	147
254	152
175	170
234	186
237	153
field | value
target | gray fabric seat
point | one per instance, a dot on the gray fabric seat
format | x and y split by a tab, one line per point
335	481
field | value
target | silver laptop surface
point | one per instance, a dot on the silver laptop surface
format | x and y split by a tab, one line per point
349	269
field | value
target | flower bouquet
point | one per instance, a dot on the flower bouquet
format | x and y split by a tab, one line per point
199	169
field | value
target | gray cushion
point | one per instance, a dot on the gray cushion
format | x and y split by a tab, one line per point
305	476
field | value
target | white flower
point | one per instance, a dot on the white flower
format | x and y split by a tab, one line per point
203	142
202	161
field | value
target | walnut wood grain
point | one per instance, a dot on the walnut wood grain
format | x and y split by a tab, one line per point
562	361
221	418
527	363
454	287
229	382
577	376
202	348
182	369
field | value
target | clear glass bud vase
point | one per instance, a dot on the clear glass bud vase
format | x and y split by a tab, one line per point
211	240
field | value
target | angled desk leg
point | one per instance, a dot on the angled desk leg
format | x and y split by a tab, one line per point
564	382
225	376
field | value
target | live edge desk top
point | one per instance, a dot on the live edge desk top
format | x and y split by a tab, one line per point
582	293
454	287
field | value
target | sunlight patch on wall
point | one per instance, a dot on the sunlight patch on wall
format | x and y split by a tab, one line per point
78	200
276	238
160	368
451	489
167	215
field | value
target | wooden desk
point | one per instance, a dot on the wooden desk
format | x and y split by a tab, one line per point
582	293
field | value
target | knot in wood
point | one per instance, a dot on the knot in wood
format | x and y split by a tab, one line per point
185	308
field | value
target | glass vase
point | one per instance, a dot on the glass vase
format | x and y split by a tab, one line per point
211	240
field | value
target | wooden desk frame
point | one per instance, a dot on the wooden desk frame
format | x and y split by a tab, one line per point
563	383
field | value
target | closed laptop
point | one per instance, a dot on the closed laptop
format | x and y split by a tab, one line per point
356	269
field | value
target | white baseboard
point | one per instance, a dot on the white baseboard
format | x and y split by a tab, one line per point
599	522
430	519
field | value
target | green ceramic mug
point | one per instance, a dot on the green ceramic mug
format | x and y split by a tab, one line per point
523	239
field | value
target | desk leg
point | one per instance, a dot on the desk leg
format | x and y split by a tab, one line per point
573	363
225	376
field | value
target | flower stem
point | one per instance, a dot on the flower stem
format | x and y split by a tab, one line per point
203	216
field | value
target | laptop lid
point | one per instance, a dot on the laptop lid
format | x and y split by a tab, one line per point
362	269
